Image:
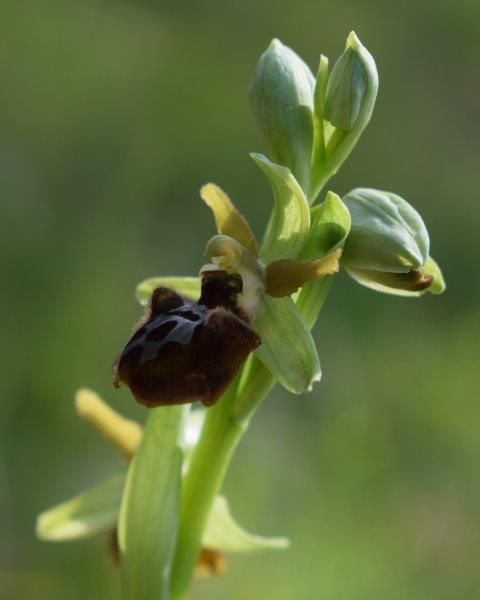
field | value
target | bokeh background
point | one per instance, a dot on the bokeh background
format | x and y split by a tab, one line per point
112	114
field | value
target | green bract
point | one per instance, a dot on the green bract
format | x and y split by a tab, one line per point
148	520
281	95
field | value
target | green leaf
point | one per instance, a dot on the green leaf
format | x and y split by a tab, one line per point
86	515
289	223
148	521
288	350
224	534
328	232
185	286
281	96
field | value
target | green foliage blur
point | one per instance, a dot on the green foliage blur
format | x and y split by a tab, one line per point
113	113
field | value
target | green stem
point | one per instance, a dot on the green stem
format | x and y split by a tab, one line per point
225	424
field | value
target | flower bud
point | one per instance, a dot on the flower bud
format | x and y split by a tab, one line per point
387	234
352	74
281	95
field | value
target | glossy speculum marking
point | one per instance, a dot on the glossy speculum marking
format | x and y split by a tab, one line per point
184	350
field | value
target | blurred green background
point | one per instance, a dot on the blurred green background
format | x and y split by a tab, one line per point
112	115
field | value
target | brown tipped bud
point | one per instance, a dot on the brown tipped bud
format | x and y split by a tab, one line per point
183	351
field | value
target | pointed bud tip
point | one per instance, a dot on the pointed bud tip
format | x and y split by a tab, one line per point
275	45
353	41
438	285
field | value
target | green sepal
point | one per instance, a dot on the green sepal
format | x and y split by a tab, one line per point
185	286
281	96
223	533
95	510
148	521
288	350
86	515
289	223
329	229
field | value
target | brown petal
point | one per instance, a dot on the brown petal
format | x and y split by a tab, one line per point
285	276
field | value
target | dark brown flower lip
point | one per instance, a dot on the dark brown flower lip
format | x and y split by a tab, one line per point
184	351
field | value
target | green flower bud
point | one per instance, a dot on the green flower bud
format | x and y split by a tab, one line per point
352	74
344	102
387	234
387	248
281	95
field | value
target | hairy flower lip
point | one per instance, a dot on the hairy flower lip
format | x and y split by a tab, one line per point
183	351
